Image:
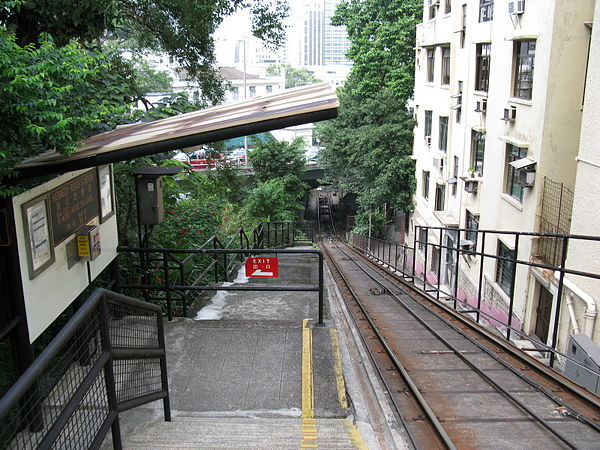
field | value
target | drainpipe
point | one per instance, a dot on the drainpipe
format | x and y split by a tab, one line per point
589	316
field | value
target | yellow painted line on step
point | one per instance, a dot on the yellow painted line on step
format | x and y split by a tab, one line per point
309	423
354	435
337	368
308	400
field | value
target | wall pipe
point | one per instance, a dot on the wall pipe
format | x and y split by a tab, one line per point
591	311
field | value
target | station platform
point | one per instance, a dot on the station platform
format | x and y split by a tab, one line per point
254	370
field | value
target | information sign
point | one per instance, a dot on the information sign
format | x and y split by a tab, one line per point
266	267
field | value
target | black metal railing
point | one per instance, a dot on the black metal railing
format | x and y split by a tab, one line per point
160	269
108	358
477	271
168	287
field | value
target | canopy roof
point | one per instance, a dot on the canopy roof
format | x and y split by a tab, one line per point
290	107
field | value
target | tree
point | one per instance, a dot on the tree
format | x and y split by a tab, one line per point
368	147
150	80
274	159
293	77
181	28
53	97
277	199
382	36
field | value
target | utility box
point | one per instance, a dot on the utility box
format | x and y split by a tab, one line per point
148	186
88	243
587	373
150	200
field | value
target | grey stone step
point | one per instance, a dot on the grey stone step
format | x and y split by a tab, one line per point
206	433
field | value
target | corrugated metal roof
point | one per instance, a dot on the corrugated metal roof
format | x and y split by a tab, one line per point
290	107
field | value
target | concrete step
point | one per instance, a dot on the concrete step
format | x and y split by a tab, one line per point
219	433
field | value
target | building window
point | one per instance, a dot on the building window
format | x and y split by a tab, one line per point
430	64
524	61
477	151
463	28
440	197
432	11
428	122
235	93
269	88
472	223
513	188
448	7
422	239
426	184
482	67
445	65
252	91
458	106
505	270
454	177
443	137
486	10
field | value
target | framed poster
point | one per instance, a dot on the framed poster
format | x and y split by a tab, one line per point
36	225
73	204
106	196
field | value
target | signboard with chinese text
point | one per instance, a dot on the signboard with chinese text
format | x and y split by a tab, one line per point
266	267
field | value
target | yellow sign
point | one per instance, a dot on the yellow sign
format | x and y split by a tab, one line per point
83	246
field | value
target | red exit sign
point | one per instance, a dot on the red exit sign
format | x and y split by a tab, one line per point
262	267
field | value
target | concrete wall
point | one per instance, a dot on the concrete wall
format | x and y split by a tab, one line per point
54	289
583	255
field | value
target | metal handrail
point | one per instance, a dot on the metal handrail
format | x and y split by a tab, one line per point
25	385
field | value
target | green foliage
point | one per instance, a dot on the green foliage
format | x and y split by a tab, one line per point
367	150
277	199
181	28
150	80
274	159
53	97
293	77
377	220
368	147
188	223
382	35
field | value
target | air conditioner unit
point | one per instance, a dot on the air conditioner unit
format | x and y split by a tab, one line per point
510	114
438	163
481	106
516	7
467	245
433	2
526	177
471	186
428	141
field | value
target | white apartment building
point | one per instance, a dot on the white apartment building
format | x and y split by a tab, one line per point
499	90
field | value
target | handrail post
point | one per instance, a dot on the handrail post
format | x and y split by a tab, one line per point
109	374
561	282
414	258
479	286
320	322
512	289
163	369
167	281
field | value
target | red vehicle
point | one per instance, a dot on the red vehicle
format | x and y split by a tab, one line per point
205	159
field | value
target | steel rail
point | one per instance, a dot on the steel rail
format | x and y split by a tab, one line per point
439	429
465	359
542	369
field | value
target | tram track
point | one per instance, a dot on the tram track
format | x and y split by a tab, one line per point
450	389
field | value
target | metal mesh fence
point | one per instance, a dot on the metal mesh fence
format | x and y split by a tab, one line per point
132	328
58	384
557	206
136	377
64	399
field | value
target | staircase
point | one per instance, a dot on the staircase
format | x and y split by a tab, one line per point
220	433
